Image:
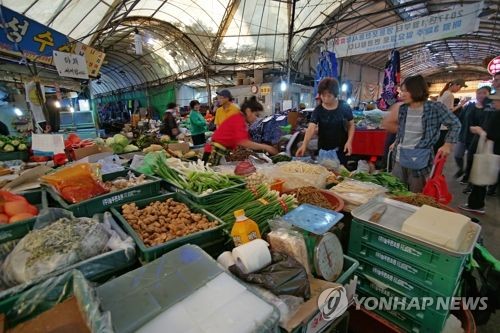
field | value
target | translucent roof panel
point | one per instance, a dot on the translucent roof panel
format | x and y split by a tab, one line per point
257	33
309	13
199	19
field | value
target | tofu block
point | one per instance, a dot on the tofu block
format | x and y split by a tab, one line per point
438	226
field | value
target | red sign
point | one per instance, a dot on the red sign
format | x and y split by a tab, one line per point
494	66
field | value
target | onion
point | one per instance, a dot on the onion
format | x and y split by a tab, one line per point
244	168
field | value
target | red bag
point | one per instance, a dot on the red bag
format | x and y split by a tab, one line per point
436	187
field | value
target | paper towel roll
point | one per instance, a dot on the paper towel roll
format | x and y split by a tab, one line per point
226	259
252	256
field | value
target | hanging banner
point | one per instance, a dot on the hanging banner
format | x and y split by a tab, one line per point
37	42
458	21
34	101
70	65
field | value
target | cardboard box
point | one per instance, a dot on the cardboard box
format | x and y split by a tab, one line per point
308	315
91	150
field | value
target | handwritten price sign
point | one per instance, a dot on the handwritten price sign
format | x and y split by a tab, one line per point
71	65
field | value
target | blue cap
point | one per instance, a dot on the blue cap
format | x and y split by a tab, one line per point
225	93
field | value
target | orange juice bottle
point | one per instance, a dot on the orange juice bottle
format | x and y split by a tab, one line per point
244	229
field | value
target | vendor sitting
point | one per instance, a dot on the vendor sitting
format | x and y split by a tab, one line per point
233	132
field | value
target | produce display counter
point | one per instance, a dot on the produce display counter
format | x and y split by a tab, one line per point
150	234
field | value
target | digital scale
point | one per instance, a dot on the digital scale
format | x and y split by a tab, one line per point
324	250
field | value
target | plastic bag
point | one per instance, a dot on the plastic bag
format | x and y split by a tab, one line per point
329	159
290	242
284	276
58	240
150	161
286	304
297	174
77	182
110	164
54	290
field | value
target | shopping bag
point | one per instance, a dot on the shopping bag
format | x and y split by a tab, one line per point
486	165
436	186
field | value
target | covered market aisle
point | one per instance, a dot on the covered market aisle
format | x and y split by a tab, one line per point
305	166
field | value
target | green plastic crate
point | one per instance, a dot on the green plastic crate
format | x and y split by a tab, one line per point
102	203
205	239
415	320
15	155
21	228
405	286
424	277
417	254
350	266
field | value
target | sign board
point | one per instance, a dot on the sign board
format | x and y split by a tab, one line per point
494	66
47	144
37	42
70	65
458	21
265	90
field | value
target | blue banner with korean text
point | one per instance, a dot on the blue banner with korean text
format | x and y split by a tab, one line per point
455	22
21	35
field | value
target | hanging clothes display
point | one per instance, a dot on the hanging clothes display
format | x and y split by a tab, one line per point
392	78
327	67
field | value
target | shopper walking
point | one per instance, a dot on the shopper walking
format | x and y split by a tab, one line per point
470	113
334	121
419	123
226	107
198	124
447	98
490	129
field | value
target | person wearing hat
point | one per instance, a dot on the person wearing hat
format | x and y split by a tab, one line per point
447	98
489	128
226	107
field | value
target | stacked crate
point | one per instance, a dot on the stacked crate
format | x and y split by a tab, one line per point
394	266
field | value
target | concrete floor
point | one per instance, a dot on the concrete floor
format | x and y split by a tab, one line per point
490	223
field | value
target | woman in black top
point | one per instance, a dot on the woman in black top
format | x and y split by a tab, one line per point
490	129
334	121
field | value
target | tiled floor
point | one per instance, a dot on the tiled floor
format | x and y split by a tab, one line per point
490	223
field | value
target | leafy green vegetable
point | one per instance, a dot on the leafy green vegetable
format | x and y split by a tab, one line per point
22	147
121	140
9	148
15	143
390	182
130	148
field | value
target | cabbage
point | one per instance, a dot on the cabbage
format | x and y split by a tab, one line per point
130	148
100	141
121	140
110	142
8	148
15	143
117	149
22	146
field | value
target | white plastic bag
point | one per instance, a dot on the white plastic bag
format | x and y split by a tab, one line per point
486	165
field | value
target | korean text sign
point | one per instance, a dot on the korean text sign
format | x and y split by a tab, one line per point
458	21
38	42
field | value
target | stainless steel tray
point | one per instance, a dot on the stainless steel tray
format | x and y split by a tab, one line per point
397	212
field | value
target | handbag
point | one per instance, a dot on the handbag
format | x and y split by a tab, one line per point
414	158
486	165
436	186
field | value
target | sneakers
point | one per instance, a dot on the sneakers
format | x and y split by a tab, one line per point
472	210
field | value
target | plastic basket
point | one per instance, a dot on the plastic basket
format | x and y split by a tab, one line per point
100	204
394	283
417	254
422	321
424	277
212	238
350	266
15	155
19	229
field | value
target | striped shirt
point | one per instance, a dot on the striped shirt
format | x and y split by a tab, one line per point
413	129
